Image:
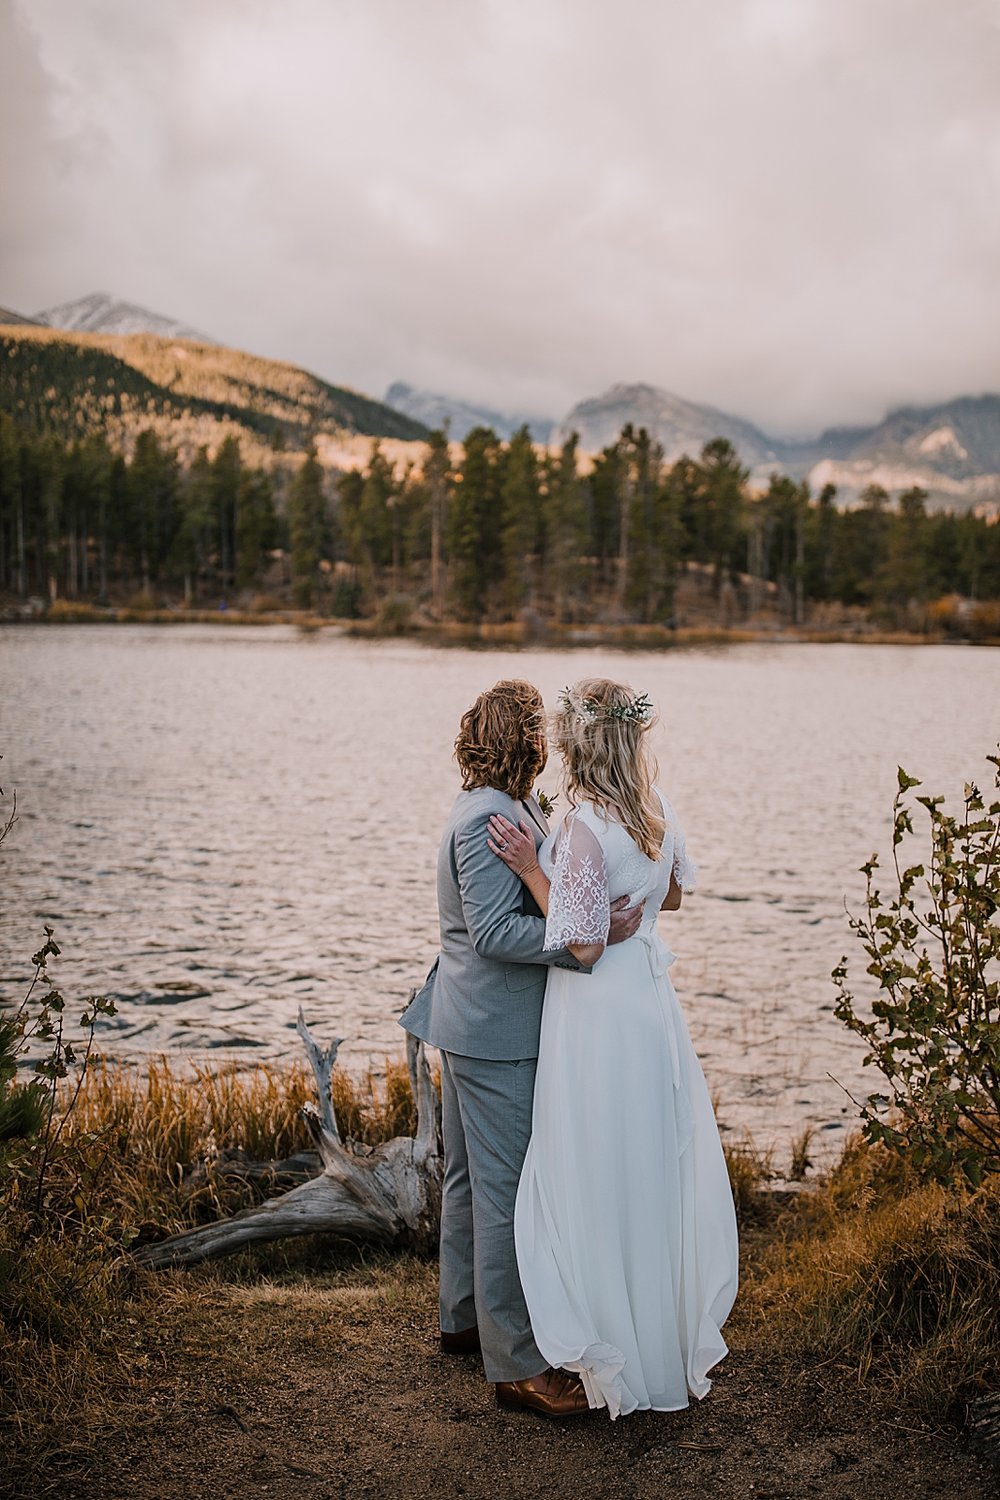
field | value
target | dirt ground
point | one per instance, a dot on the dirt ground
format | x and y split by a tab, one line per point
322	1386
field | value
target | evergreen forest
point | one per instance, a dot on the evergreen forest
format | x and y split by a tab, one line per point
485	531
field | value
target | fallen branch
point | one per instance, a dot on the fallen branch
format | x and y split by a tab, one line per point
983	1425
386	1195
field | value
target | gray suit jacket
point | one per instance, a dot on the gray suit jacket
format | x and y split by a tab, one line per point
483	997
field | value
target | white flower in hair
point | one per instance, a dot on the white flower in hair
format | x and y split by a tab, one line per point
588	710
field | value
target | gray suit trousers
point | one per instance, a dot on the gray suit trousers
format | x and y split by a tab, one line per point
486	1119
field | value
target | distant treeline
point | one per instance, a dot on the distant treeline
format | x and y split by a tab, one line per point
498	532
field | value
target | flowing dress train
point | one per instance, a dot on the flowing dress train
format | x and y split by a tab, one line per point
624	1224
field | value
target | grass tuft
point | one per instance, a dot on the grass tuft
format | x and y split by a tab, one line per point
750	1171
801	1160
886	1274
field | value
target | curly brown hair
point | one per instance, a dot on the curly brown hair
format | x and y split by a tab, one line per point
501	742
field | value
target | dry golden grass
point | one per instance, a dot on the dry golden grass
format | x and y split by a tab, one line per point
884	1277
171	1118
750	1171
891	1277
72	1312
144	1131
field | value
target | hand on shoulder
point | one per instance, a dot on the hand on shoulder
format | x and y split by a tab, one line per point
514	844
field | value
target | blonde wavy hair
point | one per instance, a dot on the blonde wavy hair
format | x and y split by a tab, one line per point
607	760
501	741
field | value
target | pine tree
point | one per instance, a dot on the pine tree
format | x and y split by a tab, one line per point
153	494
644	564
474	523
307	527
348	511
378	526
605	488
670	546
12	569
821	525
722	495
566	531
226	470
907	565
438	480
785	508
520	500
87	495
196	526
256	526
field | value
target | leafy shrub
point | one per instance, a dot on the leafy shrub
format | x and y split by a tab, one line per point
394	615
347	601
933	945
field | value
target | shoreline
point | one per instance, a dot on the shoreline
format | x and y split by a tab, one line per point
311	1367
513	634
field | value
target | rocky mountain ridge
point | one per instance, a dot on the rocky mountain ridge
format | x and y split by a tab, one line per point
13	319
951	449
436	410
679	426
100	313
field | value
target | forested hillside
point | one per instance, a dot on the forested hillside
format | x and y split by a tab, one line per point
192	395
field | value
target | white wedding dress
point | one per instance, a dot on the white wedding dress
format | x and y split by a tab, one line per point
624	1225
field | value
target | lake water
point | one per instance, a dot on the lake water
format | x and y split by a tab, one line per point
225	823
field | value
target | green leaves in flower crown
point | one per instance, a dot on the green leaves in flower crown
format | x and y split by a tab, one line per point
588	710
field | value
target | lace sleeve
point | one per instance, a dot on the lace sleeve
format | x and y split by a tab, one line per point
684	868
579	905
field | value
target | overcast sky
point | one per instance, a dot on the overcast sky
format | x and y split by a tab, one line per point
787	208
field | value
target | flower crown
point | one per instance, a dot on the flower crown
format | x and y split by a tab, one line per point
588	710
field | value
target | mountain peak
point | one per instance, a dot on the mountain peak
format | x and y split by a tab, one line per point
434	410
99	312
11	319
679	426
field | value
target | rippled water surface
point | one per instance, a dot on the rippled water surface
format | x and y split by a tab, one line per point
224	823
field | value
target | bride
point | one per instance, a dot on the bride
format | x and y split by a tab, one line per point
624	1224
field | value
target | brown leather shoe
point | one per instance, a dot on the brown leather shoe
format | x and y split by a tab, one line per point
466	1341
554	1393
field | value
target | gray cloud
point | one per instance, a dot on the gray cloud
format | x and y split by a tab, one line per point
789	208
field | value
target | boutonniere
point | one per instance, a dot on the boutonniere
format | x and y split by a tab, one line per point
547	804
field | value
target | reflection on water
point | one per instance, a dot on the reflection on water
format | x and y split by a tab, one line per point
223	823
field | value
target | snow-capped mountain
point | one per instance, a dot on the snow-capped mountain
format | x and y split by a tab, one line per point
679	426
100	313
434	410
952	450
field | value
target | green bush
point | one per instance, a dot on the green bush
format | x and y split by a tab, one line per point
933	945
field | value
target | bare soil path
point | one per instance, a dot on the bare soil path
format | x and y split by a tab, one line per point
330	1386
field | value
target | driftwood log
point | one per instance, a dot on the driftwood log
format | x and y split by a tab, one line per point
383	1195
983	1426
